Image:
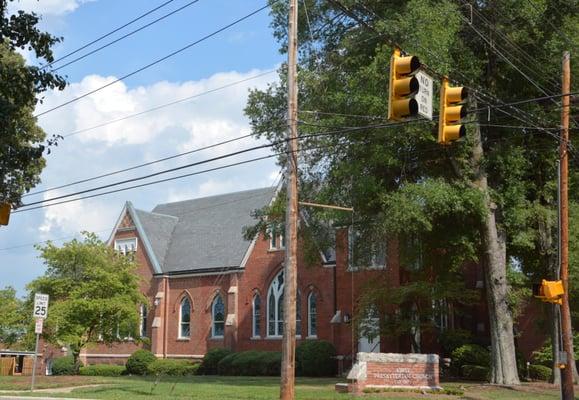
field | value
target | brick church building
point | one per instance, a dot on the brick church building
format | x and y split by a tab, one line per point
208	287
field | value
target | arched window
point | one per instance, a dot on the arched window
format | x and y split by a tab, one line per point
256	321
218	317
312	315
185	318
275	308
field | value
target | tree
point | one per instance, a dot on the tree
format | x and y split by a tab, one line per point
12	317
21	147
397	179
94	294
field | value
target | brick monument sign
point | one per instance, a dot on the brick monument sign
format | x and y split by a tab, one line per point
392	370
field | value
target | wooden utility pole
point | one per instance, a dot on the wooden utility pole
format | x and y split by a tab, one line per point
567	373
287	386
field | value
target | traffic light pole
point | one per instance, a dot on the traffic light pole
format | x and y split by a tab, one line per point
567	391
287	386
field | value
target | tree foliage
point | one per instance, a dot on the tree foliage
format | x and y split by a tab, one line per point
399	181
12	317
94	294
21	148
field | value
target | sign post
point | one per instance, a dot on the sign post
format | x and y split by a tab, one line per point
40	313
425	94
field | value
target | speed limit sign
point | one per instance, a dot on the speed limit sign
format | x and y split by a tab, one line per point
40	306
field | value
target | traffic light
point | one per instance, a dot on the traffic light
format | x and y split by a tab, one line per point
4	213
451	112
549	291
402	86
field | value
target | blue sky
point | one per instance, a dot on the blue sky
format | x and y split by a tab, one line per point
244	51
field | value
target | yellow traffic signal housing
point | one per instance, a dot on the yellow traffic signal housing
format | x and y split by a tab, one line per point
402	85
4	213
549	291
451	112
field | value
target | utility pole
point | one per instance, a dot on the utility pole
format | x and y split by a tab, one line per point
288	355
567	392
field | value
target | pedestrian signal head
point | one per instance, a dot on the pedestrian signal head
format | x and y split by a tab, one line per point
403	85
549	291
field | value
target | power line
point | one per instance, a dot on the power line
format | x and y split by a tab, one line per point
530	61
347	129
125	35
107	34
351	129
198	173
161	106
139	165
156	61
112	227
194	164
426	50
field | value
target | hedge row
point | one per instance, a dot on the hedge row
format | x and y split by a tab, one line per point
172	367
103	370
313	358
251	363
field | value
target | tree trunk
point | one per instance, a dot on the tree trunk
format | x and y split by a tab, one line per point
503	360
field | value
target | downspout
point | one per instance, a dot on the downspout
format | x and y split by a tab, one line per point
166	315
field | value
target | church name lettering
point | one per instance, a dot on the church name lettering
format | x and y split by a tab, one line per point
403	376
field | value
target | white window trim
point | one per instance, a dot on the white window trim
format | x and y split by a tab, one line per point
253	319
275	241
179	336
276	307
120	247
276	326
213	335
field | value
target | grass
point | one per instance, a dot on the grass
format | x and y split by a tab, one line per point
258	388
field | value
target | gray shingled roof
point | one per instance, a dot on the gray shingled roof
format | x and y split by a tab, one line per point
159	229
203	233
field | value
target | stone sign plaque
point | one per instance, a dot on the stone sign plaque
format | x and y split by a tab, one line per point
393	370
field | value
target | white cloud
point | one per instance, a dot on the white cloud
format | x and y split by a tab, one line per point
47	7
74	217
189	125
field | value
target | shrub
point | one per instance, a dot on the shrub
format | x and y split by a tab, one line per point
540	372
63	366
251	363
469	354
139	361
172	367
211	359
475	372
316	358
453	339
102	370
544	355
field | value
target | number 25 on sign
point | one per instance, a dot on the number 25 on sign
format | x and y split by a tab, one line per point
40	306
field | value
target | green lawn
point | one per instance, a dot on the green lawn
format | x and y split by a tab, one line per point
258	388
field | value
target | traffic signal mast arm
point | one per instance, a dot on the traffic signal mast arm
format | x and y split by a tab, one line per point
451	113
402	85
